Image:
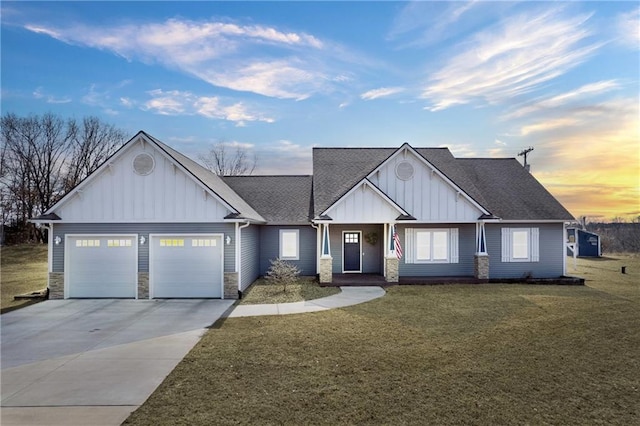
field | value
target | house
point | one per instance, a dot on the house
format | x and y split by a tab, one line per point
582	243
152	223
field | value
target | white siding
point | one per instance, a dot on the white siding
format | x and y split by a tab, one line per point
363	205
426	196
118	194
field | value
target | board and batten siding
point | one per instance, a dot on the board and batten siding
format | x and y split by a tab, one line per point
466	252
250	255
143	229
118	194
551	245
426	196
363	205
371	254
270	248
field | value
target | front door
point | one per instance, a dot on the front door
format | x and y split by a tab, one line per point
351	251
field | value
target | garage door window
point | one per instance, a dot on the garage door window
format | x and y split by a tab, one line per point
203	242
119	243
168	242
87	243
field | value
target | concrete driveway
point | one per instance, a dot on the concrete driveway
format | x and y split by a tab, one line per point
93	361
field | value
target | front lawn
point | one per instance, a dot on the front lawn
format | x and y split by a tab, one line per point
463	354
23	269
307	288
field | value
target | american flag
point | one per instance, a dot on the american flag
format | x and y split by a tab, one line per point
396	244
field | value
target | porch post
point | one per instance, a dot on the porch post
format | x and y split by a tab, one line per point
481	257
326	261
391	262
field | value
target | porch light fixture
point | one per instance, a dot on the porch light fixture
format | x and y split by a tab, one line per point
142	240
57	240
228	239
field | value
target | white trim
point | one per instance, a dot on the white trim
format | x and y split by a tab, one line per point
533	245
142	138
366	182
360	250
289	230
173	234
434	169
239	229
67	278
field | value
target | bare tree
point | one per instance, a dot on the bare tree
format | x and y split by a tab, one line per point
41	157
92	142
226	161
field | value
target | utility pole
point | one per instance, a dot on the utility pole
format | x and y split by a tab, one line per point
524	153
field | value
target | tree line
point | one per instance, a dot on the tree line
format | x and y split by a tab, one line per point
42	157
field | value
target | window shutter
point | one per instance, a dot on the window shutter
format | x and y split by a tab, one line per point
506	244
409	249
453	245
535	244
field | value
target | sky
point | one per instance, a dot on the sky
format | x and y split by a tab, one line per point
485	79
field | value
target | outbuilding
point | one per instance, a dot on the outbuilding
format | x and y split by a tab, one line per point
585	243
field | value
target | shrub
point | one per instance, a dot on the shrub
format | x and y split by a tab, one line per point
282	273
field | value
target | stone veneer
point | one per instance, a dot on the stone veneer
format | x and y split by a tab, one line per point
481	266
230	285
392	264
143	285
56	285
326	269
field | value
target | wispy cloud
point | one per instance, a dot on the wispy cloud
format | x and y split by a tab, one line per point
513	58
382	92
585	91
48	98
282	155
175	102
628	25
252	58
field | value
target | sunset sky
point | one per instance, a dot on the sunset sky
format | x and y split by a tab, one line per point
486	79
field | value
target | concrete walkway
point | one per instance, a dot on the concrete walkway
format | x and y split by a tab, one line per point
347	297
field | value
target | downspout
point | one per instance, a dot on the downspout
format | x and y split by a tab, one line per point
49	227
239	255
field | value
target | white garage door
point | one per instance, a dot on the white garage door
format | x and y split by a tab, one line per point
101	266
186	266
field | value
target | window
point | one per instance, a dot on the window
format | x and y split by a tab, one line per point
289	244
351	237
87	243
172	242
431	245
203	242
119	243
520	245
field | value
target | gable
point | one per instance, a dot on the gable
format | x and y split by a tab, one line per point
117	193
422	190
364	204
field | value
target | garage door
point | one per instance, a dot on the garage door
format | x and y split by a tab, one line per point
186	266
101	266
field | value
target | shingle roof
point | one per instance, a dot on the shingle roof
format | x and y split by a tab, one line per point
279	199
212	181
501	186
510	191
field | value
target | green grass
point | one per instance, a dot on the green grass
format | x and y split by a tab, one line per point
307	288
23	270
447	354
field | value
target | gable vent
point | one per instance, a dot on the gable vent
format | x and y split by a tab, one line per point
143	164
404	170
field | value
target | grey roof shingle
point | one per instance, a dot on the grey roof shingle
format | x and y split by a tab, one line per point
279	199
510	191
501	186
211	181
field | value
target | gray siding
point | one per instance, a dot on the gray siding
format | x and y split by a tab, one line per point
270	248
250	255
143	229
551	252
466	252
372	254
